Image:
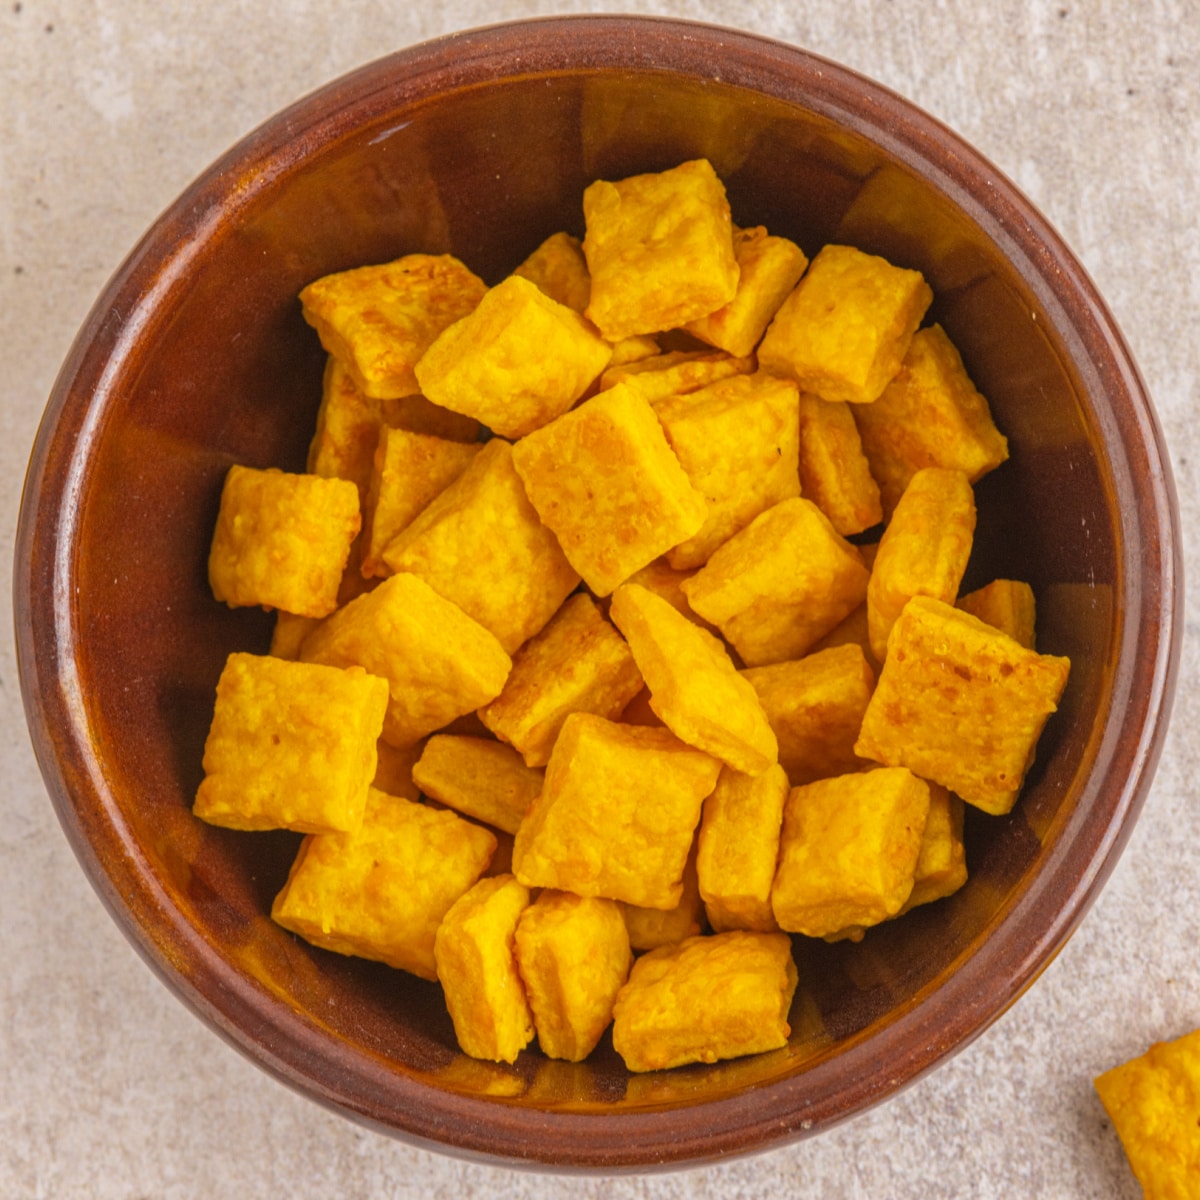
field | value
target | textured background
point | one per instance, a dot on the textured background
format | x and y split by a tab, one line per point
108	1086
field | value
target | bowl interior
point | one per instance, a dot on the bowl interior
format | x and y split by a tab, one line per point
197	358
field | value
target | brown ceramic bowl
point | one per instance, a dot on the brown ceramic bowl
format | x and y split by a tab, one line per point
196	357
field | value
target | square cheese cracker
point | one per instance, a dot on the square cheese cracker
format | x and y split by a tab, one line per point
960	703
578	663
516	362
659	248
617	813
439	663
282	540
291	746
477	968
604	479
784	581
480	544
382	892
706	999
379	320
573	954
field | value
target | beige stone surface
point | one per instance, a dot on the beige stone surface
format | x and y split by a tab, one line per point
107	109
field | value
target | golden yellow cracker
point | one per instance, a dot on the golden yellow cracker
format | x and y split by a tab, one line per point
478	970
929	415
650	928
478	778
786	580
942	863
833	469
848	851
639	712
1007	604
768	269
694	686
659	249
439	663
559	269
382	892
923	551
282	540
516	362
815	706
706	999
844	330
578	663
1154	1104
480	544
592	832
291	746
408	471
674	373
605	481
380	320
573	954
738	442
960	703
739	847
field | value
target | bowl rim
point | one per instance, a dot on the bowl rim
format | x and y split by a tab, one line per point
924	1033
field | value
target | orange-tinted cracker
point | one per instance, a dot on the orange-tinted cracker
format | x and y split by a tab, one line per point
516	362
477	967
923	551
694	686
578	663
604	479
408	471
380	320
480	544
616	814
650	928
769	268
706	999
1008	604
815	706
844	331
282	540
1154	1105
739	848
942	862
675	373
930	415
439	664
786	580
349	424
960	703
559	269
833	469
479	778
382	892
738	442
289	633
639	712
848	851
573	954
291	746
659	248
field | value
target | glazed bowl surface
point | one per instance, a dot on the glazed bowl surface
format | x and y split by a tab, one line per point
196	357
